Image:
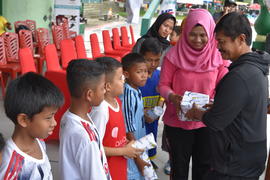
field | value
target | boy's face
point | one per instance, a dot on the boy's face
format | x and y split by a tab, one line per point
41	125
98	92
174	37
152	61
116	84
137	75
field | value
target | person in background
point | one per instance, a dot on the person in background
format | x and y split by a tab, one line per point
175	35
161	29
229	6
4	25
193	64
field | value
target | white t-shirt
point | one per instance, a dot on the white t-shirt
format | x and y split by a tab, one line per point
100	116
81	152
18	165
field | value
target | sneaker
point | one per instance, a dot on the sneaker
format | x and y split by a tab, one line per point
167	168
154	165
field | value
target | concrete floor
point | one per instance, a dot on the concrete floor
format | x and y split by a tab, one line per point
6	126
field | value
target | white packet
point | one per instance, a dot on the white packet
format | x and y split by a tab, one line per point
147	142
188	99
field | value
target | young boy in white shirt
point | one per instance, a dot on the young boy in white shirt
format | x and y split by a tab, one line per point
109	119
31	102
81	151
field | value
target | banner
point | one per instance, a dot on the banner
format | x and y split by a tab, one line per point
168	6
71	10
199	2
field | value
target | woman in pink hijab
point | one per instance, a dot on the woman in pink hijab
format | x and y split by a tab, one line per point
194	64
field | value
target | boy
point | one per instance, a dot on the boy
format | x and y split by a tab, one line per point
135	71
81	151
151	51
109	120
31	102
2	145
175	35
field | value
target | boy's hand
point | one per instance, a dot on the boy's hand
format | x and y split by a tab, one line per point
130	151
141	164
147	118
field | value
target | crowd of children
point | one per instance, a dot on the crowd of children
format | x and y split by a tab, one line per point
108	113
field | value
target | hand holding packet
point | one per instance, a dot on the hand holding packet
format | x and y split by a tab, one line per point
188	99
147	142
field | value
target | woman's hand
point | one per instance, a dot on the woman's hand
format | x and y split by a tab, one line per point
176	100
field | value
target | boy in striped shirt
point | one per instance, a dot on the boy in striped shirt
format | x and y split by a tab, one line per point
135	71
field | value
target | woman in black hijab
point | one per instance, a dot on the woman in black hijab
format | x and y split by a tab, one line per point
161	29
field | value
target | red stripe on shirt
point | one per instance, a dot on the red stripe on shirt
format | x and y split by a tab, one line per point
14	169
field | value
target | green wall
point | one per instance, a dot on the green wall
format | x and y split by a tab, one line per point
37	10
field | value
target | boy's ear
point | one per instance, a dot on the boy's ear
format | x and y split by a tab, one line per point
22	120
89	94
107	86
126	74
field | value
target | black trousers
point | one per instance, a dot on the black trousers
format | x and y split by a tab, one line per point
186	143
214	175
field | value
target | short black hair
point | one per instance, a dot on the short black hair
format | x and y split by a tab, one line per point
110	65
177	30
151	45
229	3
130	59
30	94
2	142
234	24
81	73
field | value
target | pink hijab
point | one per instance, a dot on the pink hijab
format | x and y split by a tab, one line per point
185	57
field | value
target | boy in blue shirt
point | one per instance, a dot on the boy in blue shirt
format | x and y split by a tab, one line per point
151	51
135	71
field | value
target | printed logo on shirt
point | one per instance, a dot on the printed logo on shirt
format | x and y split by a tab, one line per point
90	132
94	136
14	167
150	101
121	142
115	132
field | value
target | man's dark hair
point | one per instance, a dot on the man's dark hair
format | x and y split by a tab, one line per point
81	73
2	142
151	45
30	94
229	3
233	25
131	59
110	65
